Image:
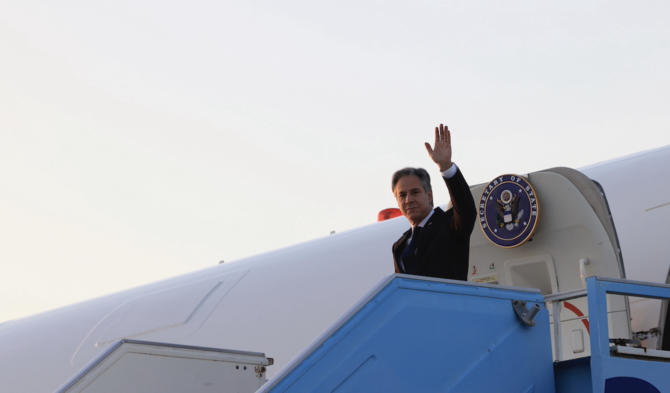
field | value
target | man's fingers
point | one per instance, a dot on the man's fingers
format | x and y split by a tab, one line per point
428	148
442	133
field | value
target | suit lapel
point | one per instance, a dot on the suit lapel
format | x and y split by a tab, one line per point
400	245
425	236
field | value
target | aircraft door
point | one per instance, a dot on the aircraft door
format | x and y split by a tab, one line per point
575	238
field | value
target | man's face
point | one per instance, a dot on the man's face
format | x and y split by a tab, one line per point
413	201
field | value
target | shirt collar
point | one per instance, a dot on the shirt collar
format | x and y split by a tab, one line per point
425	220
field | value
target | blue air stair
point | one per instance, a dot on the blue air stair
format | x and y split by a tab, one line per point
414	334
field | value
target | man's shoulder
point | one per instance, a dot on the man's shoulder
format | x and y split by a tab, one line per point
402	237
441	218
437	213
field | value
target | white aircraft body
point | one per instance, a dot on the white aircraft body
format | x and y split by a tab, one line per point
278	302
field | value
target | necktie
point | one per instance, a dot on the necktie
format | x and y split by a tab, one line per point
409	255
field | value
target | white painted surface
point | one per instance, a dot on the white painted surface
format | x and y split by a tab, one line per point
156	310
650	353
638	191
143	368
278	302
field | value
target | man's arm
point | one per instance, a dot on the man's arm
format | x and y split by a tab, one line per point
465	212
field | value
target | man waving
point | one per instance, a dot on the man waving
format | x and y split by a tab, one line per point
438	244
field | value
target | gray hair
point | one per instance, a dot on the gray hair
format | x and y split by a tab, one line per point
421	173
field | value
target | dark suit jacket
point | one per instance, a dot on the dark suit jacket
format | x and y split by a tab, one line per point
444	243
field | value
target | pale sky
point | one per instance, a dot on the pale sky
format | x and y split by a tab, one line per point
140	140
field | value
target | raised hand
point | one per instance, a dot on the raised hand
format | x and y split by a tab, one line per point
441	153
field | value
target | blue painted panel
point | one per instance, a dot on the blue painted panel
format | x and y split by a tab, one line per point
655	373
489	291
619	374
573	376
417	335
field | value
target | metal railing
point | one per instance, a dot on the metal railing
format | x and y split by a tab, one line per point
555	301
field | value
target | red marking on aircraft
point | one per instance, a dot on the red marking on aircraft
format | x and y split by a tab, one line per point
575	310
388	214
